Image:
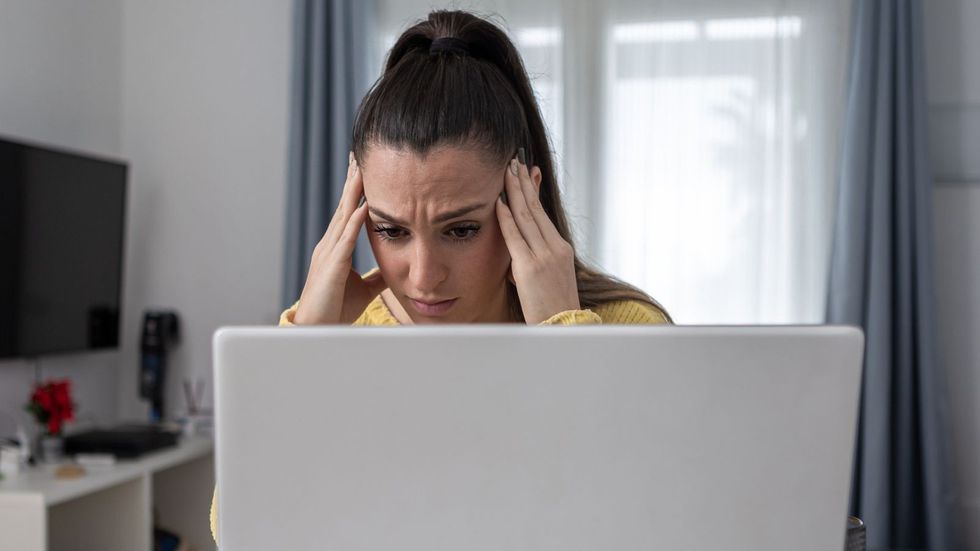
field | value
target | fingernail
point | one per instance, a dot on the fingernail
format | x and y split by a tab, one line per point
520	156
513	167
350	158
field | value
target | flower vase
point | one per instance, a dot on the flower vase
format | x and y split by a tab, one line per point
52	448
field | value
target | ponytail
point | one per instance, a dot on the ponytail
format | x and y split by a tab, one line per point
457	79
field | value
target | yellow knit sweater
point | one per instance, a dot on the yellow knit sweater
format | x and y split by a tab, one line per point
622	312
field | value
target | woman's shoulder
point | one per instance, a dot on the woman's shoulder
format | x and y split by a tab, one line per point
376	313
631	312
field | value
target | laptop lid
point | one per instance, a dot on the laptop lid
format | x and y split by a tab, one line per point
514	437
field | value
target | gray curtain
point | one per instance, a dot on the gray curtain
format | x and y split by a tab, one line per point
331	61
882	280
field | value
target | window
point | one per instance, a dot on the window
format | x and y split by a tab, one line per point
696	142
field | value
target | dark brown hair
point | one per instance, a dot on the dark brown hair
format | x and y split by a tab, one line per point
475	93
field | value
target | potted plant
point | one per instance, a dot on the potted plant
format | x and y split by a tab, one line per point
51	405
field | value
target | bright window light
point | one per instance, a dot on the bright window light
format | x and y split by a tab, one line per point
531	37
659	31
752	28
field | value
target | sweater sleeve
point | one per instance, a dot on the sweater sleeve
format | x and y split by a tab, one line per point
573	317
286	319
632	312
214	515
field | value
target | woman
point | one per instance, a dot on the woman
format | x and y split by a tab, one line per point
452	173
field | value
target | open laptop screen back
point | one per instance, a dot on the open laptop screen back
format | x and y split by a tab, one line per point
535	438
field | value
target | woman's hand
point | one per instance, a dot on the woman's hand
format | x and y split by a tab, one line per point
542	262
334	292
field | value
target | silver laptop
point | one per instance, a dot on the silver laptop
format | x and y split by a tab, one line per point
496	437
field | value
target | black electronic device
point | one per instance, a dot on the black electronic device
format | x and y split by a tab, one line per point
62	221
160	332
124	441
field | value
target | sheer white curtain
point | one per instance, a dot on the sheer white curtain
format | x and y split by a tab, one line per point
696	141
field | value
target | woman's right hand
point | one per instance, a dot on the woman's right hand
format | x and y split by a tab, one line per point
334	293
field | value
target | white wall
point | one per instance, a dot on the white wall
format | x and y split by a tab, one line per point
954	96
204	123
194	96
60	84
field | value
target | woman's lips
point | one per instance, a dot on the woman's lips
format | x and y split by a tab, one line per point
433	309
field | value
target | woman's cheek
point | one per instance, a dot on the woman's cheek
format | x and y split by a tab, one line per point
376	247
498	255
386	258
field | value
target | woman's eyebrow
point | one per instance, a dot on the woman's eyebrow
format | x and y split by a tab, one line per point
441	218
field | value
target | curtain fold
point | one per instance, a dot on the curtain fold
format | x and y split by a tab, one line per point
329	78
882	279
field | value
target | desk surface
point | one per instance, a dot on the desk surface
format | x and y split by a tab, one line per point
40	479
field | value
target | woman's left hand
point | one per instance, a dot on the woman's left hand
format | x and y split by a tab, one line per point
542	262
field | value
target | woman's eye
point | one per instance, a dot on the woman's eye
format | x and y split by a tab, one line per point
462	233
385	233
467	232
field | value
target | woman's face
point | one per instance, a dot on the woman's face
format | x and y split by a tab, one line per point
427	247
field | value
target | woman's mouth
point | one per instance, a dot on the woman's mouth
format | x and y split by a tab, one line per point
435	309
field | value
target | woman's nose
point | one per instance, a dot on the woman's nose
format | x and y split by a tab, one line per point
428	270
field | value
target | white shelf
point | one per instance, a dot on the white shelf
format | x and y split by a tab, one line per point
111	507
41	480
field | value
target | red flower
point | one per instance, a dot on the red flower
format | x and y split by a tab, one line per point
51	404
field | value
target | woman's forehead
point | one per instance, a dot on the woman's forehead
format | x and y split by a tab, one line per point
442	172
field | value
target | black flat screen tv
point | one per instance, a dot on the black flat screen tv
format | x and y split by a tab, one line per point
62	220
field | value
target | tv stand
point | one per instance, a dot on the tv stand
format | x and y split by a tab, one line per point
114	507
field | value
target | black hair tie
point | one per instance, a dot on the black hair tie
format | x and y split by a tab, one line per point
449	44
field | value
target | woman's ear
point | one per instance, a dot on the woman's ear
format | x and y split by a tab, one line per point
536	177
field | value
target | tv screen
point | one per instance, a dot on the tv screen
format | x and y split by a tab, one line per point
61	245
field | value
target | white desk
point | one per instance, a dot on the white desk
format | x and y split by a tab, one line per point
114	507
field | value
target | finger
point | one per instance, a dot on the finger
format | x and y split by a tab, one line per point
348	180
533	199
512	235
517	206
344	248
353	188
353	192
